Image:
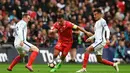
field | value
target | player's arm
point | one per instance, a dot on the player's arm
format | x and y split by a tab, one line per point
76	32
81	29
90	39
107	32
53	30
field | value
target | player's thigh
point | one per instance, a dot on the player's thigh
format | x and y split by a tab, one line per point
98	47
27	46
58	46
67	48
89	49
20	50
56	52
30	47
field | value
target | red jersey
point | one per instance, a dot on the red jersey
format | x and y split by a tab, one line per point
64	31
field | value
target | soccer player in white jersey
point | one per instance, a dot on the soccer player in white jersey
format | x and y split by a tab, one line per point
21	45
100	41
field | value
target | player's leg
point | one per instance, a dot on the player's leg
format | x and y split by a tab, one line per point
33	55
86	57
65	50
57	50
56	53
99	51
73	52
73	55
64	53
31	48
22	53
62	59
106	62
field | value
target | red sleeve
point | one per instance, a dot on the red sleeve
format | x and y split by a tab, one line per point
70	25
54	26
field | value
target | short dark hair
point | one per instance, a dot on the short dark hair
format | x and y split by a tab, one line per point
98	10
60	16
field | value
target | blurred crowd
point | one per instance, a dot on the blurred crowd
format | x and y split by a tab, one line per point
44	13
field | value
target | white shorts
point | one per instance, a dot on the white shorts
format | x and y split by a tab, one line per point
24	48
98	47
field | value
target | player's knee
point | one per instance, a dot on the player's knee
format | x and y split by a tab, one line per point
64	54
34	48
89	50
56	54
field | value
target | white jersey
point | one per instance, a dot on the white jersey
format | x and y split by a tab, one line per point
100	41
99	29
20	32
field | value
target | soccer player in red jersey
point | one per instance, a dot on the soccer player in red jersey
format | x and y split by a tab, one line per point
65	40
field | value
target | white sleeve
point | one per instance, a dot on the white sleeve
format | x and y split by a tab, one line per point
92	37
106	29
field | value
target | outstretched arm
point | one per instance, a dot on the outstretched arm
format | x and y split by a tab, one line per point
81	29
92	37
53	29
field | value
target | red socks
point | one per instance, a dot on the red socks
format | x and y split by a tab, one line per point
32	58
106	62
15	61
85	61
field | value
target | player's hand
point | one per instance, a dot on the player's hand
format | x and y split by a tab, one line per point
107	42
88	40
21	43
51	33
88	34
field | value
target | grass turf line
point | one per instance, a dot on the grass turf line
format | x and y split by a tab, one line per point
66	68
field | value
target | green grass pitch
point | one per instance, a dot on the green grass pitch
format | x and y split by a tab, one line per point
66	68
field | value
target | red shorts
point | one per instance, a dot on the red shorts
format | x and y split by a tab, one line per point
63	47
